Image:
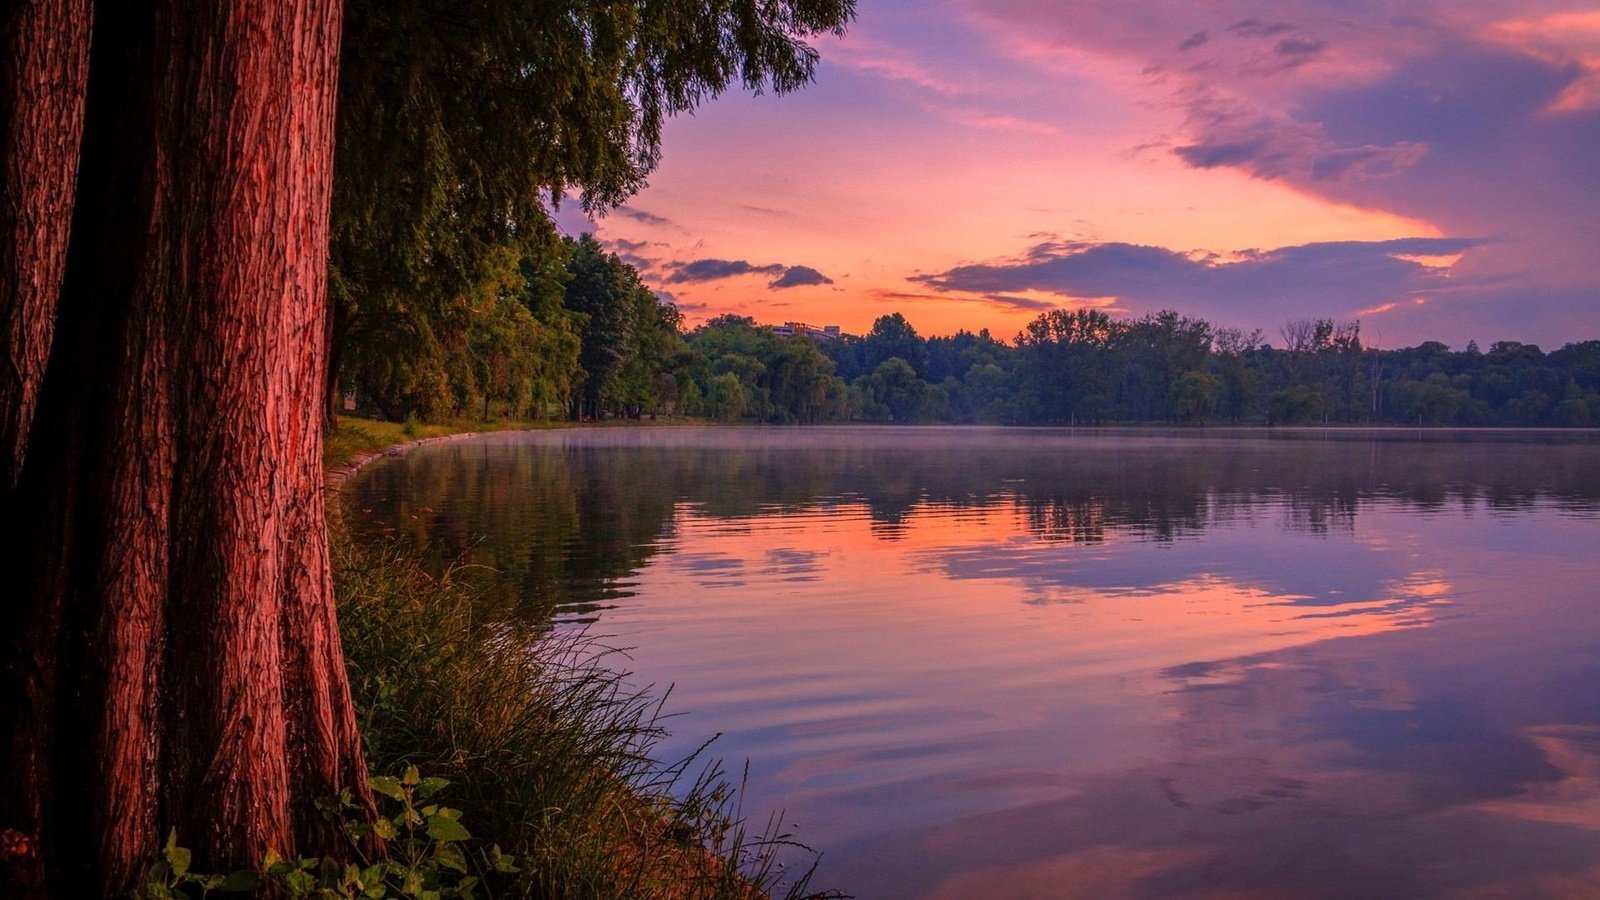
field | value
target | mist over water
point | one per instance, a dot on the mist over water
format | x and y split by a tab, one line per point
1037	663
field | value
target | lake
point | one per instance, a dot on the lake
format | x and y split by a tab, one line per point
971	662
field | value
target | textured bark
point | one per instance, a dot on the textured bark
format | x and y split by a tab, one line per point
44	69
178	660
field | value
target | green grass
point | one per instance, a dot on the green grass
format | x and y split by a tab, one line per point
549	752
352	436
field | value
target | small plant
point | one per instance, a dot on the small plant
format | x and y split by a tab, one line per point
412	427
426	843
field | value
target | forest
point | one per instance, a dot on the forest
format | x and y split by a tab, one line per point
576	334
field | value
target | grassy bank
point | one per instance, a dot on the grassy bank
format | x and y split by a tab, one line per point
352	437
549	753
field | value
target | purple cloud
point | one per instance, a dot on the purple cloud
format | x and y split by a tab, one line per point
797	276
1259	29
783	276
1254	287
1473	116
639	215
716	269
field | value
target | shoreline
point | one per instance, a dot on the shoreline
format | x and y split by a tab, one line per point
620	820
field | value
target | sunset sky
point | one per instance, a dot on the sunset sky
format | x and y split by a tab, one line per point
1431	168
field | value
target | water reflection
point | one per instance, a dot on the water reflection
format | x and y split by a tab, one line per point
978	663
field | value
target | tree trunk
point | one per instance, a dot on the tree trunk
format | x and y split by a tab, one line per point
174	660
44	73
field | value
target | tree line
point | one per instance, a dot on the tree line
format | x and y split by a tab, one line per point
577	334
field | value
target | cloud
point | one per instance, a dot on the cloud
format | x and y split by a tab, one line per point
797	276
783	276
1299	50
716	269
639	215
1259	29
1261	287
1015	302
1473	116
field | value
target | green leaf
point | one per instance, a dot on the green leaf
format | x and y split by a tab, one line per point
241	881
299	883
411	777
177	857
431	786
272	864
441	828
450	857
502	862
385	829
387	785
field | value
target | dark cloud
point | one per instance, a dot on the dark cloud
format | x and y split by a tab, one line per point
1014	302
883	294
1221	153
715	269
1299	50
1261	287
1194	40
1259	29
639	215
635	253
797	276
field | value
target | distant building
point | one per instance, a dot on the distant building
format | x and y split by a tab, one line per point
790	329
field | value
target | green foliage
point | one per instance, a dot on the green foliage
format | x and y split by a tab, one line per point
428	854
632	346
1295	405
747	371
892	337
548	753
461	122
1194	397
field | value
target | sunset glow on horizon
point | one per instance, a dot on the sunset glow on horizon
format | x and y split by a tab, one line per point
1428	168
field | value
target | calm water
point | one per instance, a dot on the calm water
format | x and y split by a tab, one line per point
991	663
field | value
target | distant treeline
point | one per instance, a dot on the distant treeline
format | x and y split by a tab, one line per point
577	334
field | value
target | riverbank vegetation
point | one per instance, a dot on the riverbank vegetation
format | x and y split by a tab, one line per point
547	750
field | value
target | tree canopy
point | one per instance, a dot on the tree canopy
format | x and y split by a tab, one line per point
460	123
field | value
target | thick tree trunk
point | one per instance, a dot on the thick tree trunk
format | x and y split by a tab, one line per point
177	662
44	74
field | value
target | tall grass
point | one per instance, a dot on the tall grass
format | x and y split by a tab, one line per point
548	750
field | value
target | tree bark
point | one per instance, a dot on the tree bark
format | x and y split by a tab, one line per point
177	661
44	75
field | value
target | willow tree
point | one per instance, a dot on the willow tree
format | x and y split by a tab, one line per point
460	121
170	657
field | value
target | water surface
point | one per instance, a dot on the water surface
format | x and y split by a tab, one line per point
1045	663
